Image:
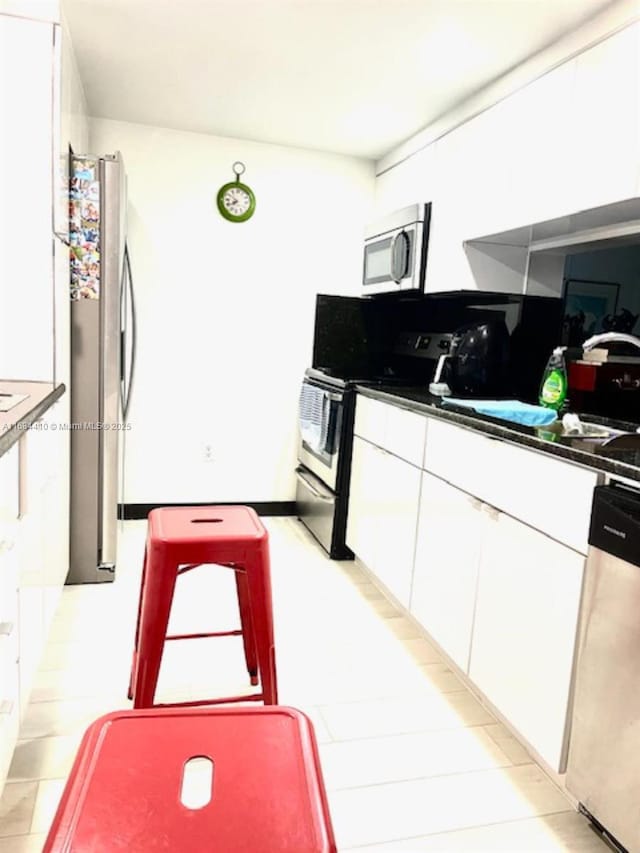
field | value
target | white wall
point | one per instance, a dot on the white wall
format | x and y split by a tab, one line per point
567	142
74	101
225	310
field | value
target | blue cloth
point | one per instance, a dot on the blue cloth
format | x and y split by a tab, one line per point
508	410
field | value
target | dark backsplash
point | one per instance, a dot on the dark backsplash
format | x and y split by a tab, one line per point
354	337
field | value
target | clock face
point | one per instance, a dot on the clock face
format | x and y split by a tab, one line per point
236	202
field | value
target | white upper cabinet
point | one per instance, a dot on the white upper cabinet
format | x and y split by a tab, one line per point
479	167
60	138
567	142
415	179
26	264
530	176
603	123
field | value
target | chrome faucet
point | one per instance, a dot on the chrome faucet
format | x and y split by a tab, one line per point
610	337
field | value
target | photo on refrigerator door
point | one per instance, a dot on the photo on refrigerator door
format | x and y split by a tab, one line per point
84	229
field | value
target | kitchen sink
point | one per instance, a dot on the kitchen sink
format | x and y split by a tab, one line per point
596	432
590	431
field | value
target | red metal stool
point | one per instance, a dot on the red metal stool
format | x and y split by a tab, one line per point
180	539
263	793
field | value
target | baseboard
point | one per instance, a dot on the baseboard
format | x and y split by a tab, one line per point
135	512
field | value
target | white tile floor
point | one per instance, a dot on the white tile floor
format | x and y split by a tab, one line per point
412	762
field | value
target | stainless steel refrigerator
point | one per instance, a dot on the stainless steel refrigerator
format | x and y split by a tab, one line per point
102	359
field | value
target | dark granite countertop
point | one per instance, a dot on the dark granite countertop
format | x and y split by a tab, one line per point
40	397
592	453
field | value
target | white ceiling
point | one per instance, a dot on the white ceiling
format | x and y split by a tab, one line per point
351	76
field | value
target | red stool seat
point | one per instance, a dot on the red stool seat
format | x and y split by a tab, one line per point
125	788
180	539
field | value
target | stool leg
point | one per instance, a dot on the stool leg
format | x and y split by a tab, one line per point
134	658
156	607
246	620
259	576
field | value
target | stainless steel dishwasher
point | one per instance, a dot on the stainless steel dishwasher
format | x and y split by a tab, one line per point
602	771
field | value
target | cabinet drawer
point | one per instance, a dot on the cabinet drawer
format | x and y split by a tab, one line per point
546	493
392	428
406	432
371	420
461	457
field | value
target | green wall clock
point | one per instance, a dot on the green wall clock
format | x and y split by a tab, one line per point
236	201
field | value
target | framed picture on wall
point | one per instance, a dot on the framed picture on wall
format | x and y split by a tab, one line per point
586	304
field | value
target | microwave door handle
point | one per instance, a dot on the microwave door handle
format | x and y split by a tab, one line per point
392	265
399	269
406	254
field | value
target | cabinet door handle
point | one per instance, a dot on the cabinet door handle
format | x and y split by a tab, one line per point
6	629
6	706
476	503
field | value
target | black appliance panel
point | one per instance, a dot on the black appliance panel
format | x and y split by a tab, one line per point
479	362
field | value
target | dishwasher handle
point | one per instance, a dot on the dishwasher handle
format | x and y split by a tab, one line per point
615	522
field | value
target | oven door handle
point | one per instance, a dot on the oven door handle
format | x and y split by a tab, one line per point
327	497
334	396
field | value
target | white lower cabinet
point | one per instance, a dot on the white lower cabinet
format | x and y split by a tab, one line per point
450	531
34	523
362	527
9	711
498	595
383	514
524	633
9	644
399	490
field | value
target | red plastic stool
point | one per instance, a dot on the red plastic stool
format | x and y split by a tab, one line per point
180	539
264	792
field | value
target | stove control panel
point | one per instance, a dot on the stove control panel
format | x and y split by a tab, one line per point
424	344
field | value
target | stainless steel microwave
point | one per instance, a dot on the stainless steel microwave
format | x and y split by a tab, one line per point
395	251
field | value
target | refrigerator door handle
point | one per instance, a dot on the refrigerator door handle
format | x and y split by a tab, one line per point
112	224
126	377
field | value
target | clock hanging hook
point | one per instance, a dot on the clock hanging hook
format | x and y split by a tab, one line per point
238	169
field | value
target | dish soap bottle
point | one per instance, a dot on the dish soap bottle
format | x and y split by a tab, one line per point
555	383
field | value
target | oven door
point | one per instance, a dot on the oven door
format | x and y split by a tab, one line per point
320	422
393	261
